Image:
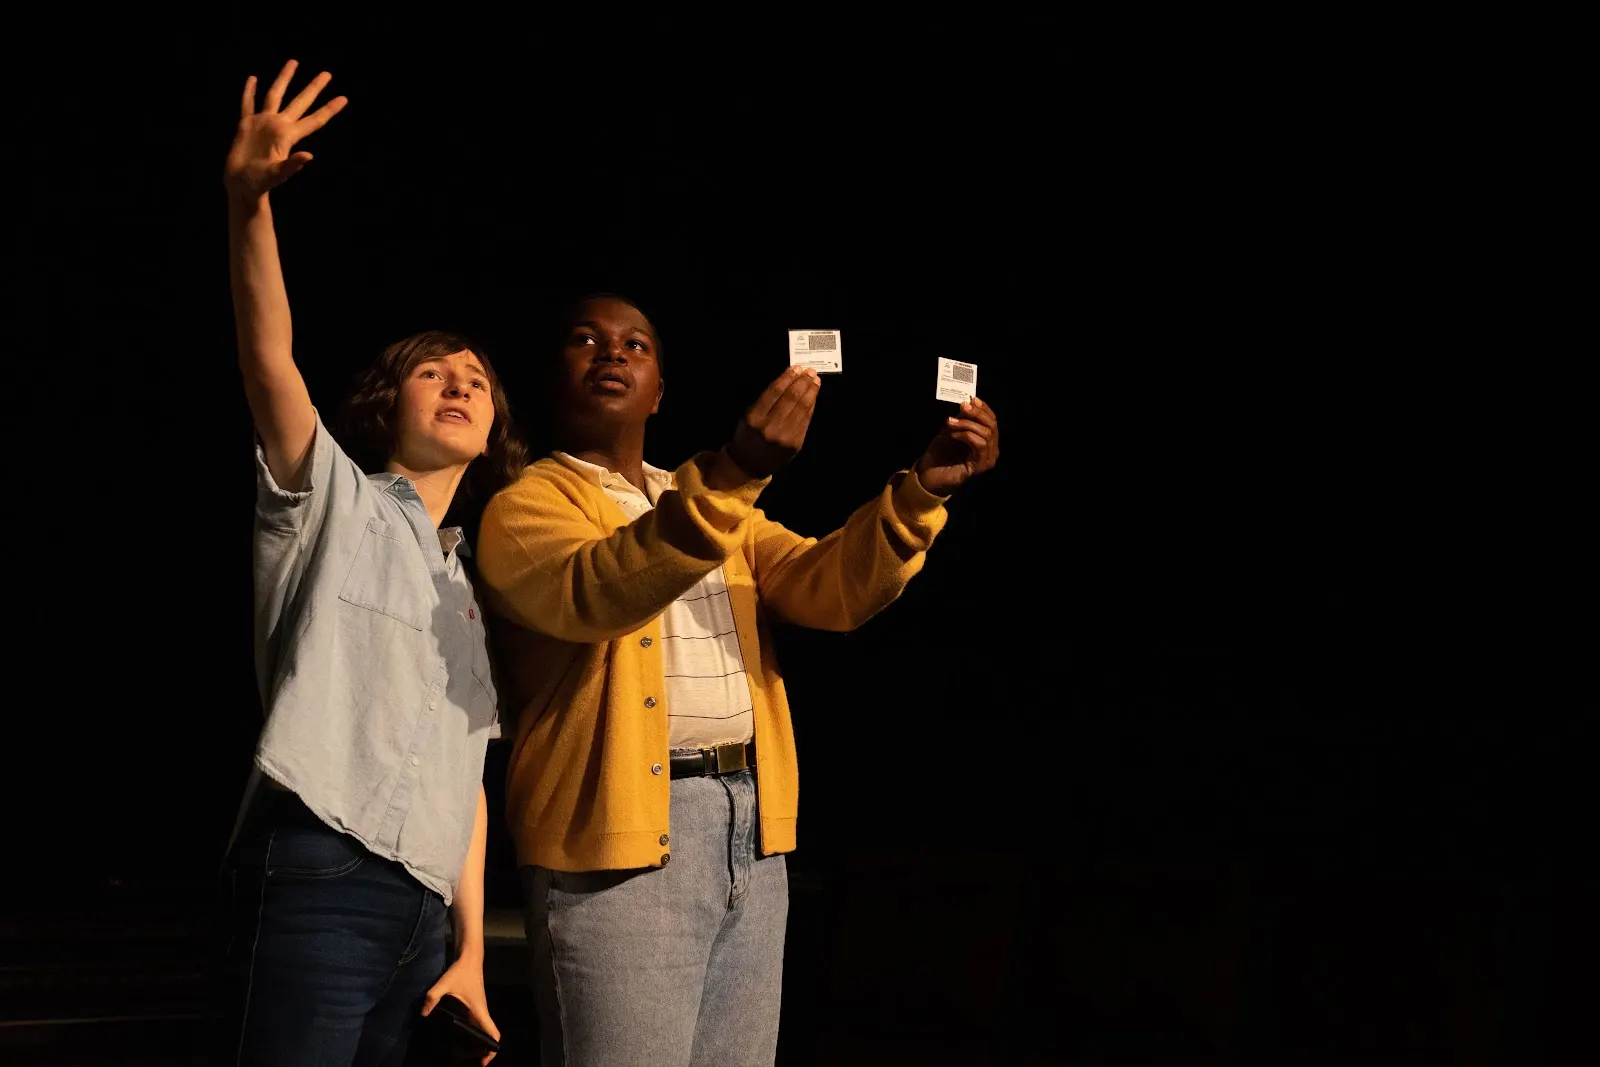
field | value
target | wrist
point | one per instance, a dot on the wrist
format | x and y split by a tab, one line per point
470	950
938	493
726	473
245	204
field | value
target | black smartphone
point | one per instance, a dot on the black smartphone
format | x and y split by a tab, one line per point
462	1026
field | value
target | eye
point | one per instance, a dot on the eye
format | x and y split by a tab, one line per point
476	384
428	373
582	339
640	345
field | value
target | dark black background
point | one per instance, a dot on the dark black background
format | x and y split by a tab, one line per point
1231	717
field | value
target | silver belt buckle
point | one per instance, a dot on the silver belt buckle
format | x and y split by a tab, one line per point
730	758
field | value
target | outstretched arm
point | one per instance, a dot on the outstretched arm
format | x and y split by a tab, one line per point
550	570
260	159
839	582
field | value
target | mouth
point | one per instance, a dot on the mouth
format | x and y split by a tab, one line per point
610	380
454	415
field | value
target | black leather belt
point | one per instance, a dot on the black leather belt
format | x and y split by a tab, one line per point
714	762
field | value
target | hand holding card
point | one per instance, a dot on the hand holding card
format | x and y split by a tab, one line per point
964	447
774	427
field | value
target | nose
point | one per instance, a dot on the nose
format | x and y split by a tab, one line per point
610	352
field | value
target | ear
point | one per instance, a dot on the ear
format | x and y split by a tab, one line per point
661	387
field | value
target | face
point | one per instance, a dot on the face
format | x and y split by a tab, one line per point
444	413
610	374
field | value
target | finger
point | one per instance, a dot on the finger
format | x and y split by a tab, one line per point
970	436
480	1015
431	1001
793	410
319	118
798	418
968	424
967	437
769	396
984	457
247	102
279	84
292	166
304	98
979	411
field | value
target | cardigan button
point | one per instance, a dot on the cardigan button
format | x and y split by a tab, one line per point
666	858
655	768
649	702
645	642
663	840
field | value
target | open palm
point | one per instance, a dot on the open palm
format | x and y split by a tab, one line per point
262	155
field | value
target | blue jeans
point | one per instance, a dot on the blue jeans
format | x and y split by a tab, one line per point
678	966
329	950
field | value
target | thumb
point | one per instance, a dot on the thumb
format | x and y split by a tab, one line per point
292	166
431	1001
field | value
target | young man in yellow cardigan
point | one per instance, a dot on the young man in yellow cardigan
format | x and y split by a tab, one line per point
653	783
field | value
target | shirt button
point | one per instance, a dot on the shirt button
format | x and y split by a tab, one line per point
663	839
666	858
414	761
645	642
655	768
649	702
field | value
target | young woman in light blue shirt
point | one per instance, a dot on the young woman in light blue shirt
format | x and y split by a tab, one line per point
365	819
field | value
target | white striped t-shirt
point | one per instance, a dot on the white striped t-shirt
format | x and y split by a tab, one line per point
708	694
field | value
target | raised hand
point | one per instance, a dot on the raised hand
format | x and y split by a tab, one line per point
774	428
262	156
964	447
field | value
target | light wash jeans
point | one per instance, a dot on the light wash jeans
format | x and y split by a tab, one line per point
678	966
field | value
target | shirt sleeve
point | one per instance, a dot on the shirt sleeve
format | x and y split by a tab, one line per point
842	580
332	480
289	524
550	567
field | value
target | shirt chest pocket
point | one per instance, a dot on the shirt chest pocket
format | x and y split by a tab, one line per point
382	576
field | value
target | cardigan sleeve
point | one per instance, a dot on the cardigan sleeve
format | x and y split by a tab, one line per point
550	565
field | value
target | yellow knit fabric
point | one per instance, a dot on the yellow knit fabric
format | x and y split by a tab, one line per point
576	593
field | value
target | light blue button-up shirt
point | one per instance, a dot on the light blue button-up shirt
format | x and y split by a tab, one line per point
371	663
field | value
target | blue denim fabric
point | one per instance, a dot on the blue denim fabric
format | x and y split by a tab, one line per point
330	949
677	966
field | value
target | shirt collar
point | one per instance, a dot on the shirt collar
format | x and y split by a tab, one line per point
656	480
452	537
449	536
386	480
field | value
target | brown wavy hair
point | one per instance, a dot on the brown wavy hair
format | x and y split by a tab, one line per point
367	421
